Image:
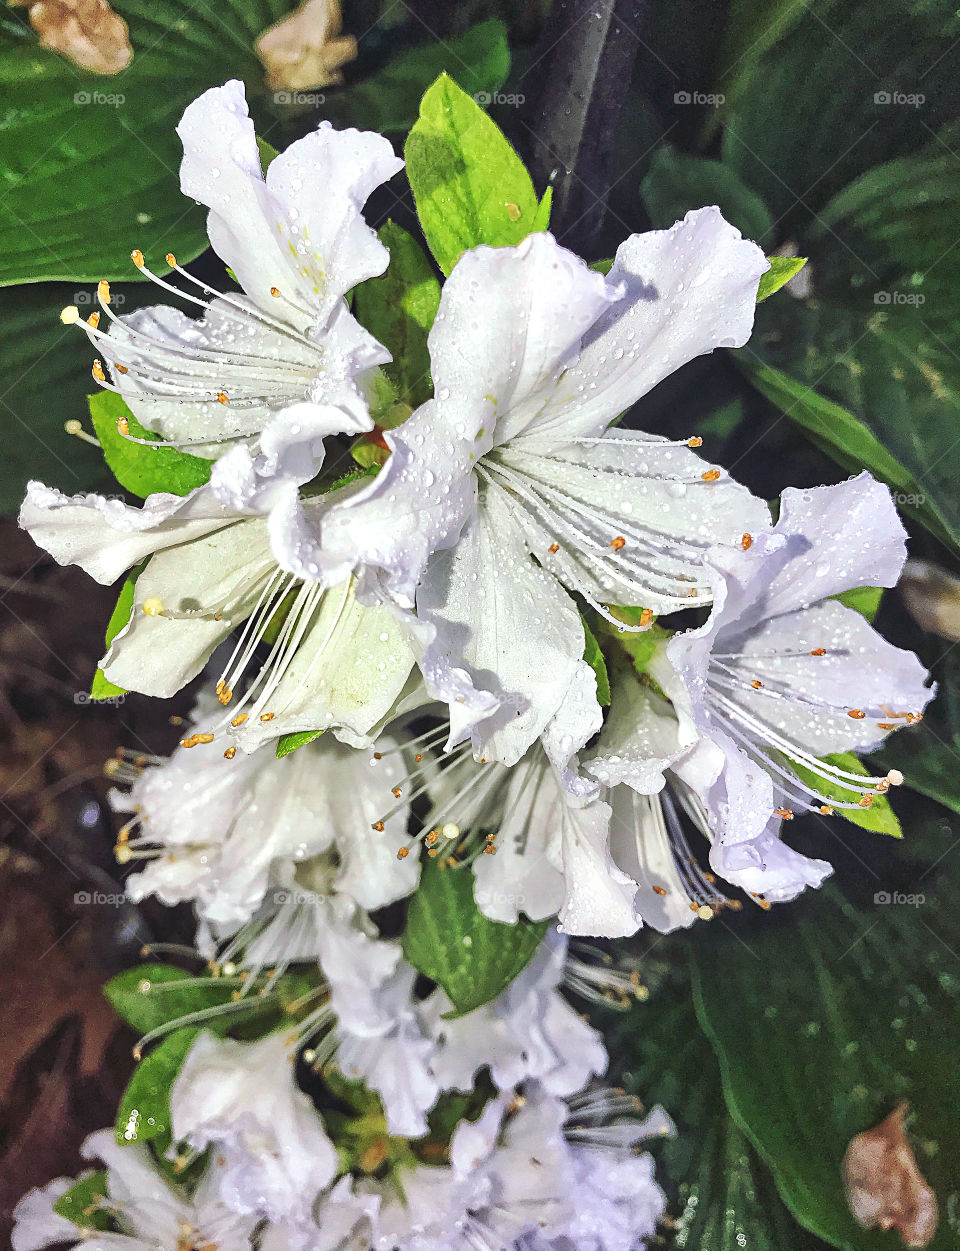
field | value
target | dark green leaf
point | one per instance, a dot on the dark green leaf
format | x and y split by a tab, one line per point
287	743
147	996
448	938
388	101
782	269
74	142
719	1192
677	182
843	436
144	1110
80	1203
594	658
469	184
142	469
398	310
867	1017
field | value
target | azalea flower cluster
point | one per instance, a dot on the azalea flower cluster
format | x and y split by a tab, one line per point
534	647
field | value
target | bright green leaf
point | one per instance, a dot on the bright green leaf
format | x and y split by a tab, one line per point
81	1203
144	1110
782	269
398	310
287	743
142	469
594	658
448	938
879	817
267	153
862	599
469	184
102	687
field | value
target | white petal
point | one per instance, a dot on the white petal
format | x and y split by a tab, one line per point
642	736
689	290
36	1225
600	899
105	536
575	722
348	672
300	230
768	867
640	846
220	574
525	646
853	536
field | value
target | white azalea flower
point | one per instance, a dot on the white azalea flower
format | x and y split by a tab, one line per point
529	1032
233	835
333	662
241	1098
507	490
286	355
563	1174
147	1211
783	675
639	757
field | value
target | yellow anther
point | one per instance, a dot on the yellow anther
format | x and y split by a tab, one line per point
222	397
123	426
229	753
746	542
70	315
450	830
103	291
97	370
403	853
153	605
711	475
618	543
93	320
171	260
137	257
239	719
513	211
696	441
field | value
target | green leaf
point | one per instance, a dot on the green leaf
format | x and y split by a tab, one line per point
879	817
782	269
469	184
102	687
144	1110
267	154
862	599
843	436
142	469
287	743
147	996
388	101
867	1018
594	658
719	1192
677	182
398	310
75	141
80	1203
448	939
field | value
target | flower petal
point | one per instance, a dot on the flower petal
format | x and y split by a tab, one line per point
685	291
525	645
599	898
300	230
105	536
640	846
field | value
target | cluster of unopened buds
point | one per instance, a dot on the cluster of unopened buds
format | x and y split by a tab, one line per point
568	670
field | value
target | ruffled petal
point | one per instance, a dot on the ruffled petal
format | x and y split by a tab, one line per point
105	536
599	898
640	846
685	291
300	230
525	645
768	868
